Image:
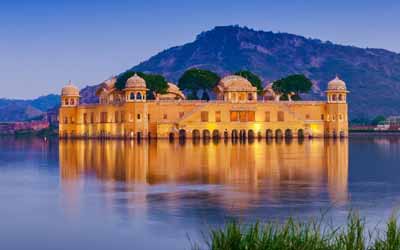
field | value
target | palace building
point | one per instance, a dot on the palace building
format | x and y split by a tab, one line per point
237	112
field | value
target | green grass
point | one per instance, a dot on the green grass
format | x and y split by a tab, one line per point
297	235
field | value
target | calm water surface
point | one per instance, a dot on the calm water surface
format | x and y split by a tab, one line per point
127	195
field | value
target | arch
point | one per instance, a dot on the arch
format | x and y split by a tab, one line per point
300	133
206	134
251	134
278	133
139	96
288	133
182	134
268	133
171	136
250	96
226	134
242	134
215	134
132	96
340	97
139	136
66	101
72	101
234	134
334	98
196	134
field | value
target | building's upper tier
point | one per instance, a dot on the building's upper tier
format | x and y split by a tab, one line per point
135	82
337	84
70	90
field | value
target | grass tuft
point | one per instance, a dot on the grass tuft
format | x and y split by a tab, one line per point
297	235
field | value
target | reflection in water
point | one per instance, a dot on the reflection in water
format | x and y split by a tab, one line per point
260	170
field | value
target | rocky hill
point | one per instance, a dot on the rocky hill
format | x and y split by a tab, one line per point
12	110
372	75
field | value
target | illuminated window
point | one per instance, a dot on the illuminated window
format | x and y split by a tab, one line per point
281	116
251	116
116	117
234	116
267	116
103	117
204	116
218	116
243	116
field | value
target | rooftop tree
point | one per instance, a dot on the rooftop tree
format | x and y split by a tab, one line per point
194	80
252	78
292	86
154	82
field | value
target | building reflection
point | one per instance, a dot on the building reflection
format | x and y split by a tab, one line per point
250	172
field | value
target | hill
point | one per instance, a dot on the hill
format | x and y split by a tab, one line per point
12	110
372	75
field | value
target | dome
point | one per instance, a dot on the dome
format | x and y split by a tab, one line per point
135	82
236	83
70	90
173	89
337	84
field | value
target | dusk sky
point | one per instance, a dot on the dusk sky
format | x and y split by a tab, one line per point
44	44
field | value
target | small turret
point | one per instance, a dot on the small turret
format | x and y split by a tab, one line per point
70	96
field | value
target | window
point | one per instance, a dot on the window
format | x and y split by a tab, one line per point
165	116
234	116
148	117
251	116
72	101
103	117
181	114
250	96
307	116
267	116
132	96
333	117
322	117
85	118
340	117
204	116
122	119
281	116
218	116
138	116
116	117
92	117
66	102
65	120
243	116
139	96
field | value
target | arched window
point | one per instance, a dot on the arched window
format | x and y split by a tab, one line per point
66	102
72	101
334	98
340	97
250	96
139	96
132	96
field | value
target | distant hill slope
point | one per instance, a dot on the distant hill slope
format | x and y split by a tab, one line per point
20	110
372	75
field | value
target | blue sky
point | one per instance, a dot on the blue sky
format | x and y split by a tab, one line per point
44	44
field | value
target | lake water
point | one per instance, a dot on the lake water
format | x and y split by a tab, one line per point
158	195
